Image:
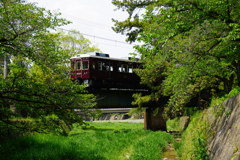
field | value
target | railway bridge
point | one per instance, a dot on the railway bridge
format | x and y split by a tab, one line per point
113	82
119	98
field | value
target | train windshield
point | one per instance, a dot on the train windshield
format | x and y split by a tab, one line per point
84	64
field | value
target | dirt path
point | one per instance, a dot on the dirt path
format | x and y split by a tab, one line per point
170	153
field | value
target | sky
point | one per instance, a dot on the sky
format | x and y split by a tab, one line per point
92	18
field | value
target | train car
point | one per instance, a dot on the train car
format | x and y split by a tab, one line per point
98	70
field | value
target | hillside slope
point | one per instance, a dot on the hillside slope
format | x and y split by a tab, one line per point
225	142
213	133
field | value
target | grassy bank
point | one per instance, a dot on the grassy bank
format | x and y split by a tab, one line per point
193	140
98	141
193	145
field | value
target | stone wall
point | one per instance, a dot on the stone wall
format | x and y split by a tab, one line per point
224	142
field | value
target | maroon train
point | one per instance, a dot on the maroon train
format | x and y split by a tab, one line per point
98	70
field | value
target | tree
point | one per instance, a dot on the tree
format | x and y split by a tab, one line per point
38	84
132	26
74	43
190	50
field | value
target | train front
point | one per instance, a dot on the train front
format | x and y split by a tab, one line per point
80	71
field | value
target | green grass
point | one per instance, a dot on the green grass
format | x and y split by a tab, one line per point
96	141
193	145
173	124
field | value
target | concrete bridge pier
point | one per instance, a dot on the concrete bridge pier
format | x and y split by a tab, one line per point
153	119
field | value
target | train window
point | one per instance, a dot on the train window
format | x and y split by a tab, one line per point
84	64
107	67
111	68
78	65
104	66
130	69
100	66
119	68
93	65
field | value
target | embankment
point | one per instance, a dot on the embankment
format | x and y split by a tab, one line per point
224	144
213	133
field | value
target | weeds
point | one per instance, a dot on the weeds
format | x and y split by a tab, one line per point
96	141
151	146
200	151
193	143
173	124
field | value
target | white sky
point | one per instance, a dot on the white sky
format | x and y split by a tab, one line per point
92	17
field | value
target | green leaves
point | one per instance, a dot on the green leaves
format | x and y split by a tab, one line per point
38	84
190	50
73	43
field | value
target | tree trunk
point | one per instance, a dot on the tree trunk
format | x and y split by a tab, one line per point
5	68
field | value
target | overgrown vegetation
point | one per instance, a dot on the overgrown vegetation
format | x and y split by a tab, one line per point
35	81
217	101
193	143
136	113
194	139
190	50
100	141
173	124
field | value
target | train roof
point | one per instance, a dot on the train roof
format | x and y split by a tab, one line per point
103	56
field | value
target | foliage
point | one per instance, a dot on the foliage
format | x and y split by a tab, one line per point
38	84
190	49
174	124
217	102
100	141
136	112
24	27
201	148
132	26
201	128
74	43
